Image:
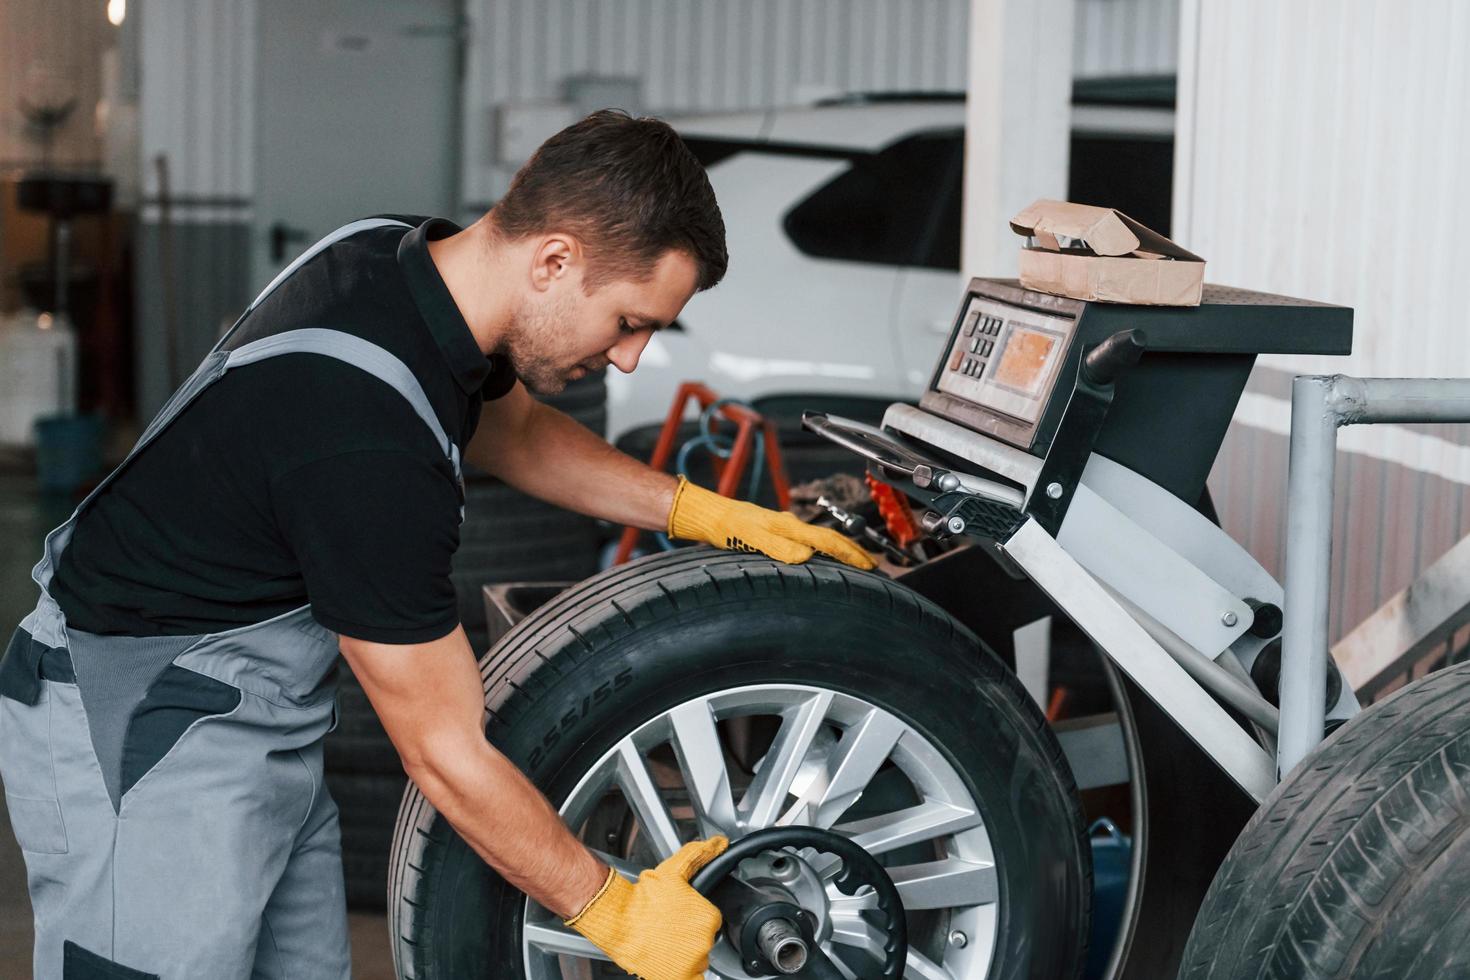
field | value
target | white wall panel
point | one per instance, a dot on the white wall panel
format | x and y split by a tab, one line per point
1126	37
197	101
1017	124
196	107
700	56
1320	153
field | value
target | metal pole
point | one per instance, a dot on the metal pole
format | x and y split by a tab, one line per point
1367	400
1308	569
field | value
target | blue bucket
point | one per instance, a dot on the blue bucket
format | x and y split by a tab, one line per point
1112	861
68	451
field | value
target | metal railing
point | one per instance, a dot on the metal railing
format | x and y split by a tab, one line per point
1320	405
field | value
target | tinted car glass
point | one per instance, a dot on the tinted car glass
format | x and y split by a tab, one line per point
899	206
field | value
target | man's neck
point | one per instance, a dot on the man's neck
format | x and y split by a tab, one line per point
472	266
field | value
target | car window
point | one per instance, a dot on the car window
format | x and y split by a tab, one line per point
899	206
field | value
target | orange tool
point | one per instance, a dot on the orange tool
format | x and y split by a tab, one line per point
894	508
728	471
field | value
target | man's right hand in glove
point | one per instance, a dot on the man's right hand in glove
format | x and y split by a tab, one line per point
431	702
659	928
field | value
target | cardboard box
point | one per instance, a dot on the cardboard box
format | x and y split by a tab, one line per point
1093	253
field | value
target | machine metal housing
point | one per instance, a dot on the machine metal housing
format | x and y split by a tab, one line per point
1169	412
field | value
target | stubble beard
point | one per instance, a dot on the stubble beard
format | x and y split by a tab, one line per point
536	335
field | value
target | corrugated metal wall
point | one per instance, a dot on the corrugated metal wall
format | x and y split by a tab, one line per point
1125	37
196	110
1320	154
197	100
700	55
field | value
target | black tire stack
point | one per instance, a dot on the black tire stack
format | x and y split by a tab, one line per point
506	537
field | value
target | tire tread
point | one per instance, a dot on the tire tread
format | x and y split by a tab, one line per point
1314	880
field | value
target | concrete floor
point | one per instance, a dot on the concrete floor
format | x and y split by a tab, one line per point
25	517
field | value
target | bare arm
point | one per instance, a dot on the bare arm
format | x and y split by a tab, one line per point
429	698
544	453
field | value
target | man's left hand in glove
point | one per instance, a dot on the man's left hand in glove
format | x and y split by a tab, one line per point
542	452
700	515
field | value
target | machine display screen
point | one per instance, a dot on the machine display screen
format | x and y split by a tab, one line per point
1024	360
1005	358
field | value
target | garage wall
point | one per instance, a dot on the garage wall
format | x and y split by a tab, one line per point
1320	154
196	110
691	56
697	56
198	98
1126	37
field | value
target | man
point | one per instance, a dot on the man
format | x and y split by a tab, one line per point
162	709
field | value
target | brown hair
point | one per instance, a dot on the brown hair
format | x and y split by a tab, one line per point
629	189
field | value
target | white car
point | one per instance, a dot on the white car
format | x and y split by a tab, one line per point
843	226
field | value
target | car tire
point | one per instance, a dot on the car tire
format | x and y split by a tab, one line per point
1357	865
596	662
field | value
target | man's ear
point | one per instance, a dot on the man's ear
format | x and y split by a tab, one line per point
559	256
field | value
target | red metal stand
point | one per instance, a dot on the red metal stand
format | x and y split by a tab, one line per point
728	471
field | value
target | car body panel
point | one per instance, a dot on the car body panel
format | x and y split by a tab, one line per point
784	322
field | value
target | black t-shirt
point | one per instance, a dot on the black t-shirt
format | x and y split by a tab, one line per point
300	478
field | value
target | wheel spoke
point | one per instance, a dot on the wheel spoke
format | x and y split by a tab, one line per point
643	796
857	944
926	821
850	905
678	776
947	884
555	939
767	792
862	749
622	866
850	928
702	760
917	966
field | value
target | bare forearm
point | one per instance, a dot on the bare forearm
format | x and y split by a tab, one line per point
430	700
501	814
567	464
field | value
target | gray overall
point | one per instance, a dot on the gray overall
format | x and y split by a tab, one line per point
167	792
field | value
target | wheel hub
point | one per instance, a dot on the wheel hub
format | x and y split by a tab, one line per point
817	759
770	932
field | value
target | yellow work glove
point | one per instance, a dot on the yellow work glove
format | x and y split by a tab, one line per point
699	515
659	928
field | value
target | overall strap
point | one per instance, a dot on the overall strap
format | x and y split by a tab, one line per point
218	360
359	353
346	231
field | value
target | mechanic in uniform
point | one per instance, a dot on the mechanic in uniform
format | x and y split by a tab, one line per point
162	709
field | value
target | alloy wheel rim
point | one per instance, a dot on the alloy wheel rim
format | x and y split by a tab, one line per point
767	755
